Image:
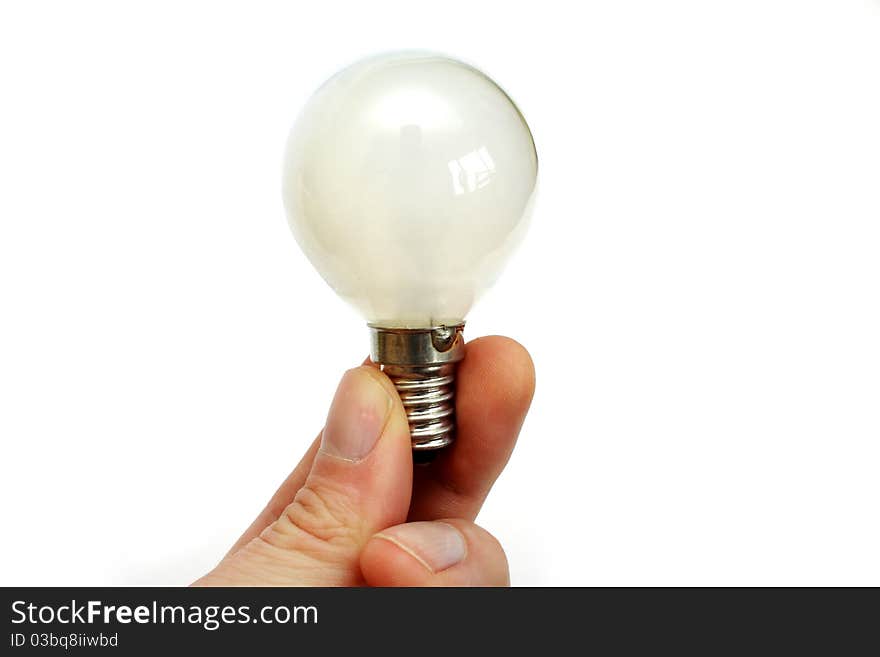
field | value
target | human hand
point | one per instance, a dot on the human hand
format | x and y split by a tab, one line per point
354	512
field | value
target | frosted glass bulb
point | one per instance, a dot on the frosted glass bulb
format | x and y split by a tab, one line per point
408	180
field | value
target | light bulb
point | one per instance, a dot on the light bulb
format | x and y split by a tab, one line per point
408	180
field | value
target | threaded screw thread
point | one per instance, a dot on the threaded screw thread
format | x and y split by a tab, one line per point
428	396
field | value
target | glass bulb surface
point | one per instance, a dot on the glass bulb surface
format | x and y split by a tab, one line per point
408	180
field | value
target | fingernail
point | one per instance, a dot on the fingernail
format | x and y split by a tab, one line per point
357	416
436	545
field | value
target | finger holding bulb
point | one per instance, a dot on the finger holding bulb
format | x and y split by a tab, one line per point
351	514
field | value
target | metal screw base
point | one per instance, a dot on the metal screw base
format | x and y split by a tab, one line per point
422	364
428	396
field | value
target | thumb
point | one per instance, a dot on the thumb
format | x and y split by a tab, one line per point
450	552
360	482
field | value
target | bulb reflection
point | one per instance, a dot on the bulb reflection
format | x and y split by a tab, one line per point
471	171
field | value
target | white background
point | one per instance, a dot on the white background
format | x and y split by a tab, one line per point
699	288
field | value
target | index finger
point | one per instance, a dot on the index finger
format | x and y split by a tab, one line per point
494	388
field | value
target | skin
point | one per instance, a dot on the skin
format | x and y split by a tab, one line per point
374	519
